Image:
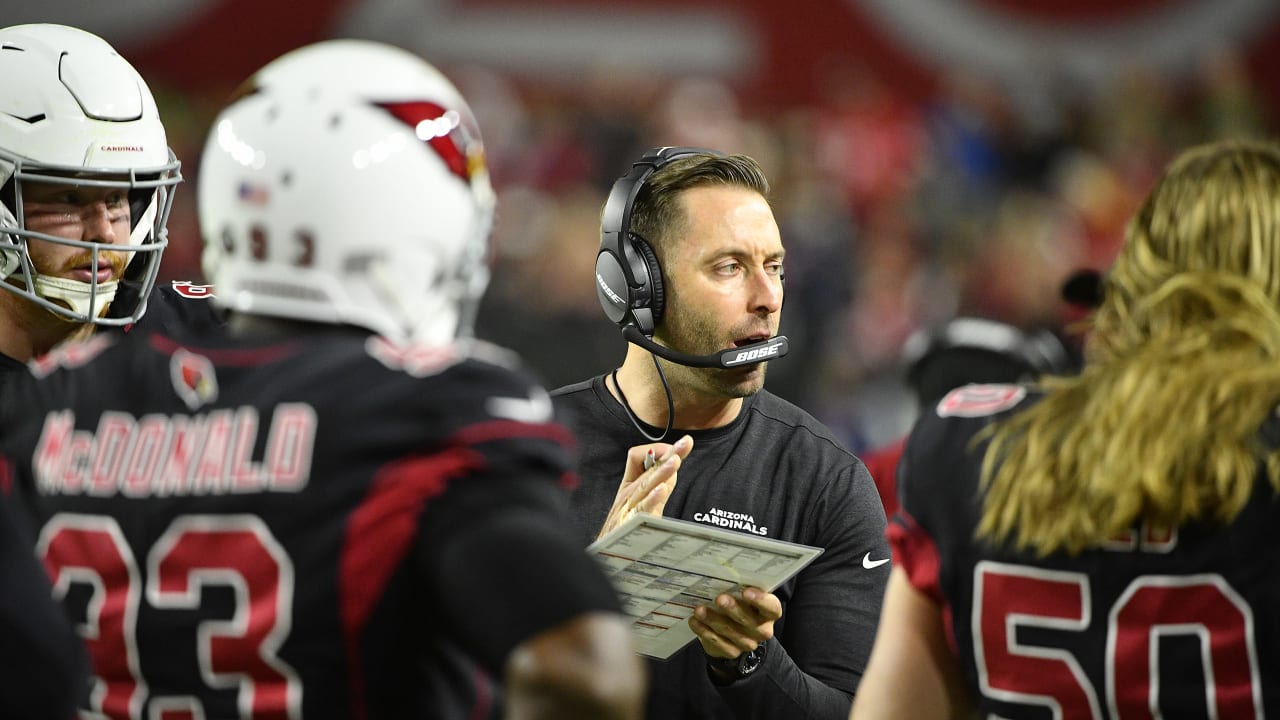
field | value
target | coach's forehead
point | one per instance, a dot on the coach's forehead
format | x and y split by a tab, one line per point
719	217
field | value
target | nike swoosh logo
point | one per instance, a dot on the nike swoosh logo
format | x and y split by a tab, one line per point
870	564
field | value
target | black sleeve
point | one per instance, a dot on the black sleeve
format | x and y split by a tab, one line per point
506	567
830	624
40	655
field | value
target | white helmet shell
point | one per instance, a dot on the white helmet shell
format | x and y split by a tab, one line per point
349	186
73	111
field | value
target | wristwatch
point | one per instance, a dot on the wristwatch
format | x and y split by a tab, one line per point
727	670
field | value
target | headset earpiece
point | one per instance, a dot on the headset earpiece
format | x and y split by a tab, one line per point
637	303
628	275
653	275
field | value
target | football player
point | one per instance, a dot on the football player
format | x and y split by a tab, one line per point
86	185
1101	547
343	507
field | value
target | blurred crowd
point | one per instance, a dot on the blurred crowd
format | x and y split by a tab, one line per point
896	213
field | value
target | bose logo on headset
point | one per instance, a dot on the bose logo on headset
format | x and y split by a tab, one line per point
758	354
613	297
629	279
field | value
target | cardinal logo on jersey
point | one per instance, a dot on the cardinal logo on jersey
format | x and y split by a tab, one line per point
187	289
193	378
980	400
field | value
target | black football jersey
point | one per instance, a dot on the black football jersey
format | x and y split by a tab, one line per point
1173	624
180	308
8	364
287	529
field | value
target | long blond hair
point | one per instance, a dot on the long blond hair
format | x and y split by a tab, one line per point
1183	366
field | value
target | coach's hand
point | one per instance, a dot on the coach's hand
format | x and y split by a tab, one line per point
646	489
736	623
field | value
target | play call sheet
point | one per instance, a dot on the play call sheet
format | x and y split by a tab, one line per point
664	568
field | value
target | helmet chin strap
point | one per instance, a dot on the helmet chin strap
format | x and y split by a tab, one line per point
409	318
385	287
76	294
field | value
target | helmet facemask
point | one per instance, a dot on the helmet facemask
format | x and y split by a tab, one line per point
75	113
150	199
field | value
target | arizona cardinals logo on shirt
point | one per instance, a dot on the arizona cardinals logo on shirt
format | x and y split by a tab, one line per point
193	378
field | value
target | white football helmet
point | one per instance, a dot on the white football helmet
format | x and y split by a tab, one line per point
72	111
349	186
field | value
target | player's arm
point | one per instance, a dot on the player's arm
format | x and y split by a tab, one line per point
37	643
557	673
912	672
521	596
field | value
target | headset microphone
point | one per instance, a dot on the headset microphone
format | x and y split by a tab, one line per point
774	347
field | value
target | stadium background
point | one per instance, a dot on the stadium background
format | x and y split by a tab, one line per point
929	157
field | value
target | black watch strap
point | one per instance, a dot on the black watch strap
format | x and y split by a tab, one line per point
727	670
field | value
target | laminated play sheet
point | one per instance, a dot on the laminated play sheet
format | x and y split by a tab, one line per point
663	568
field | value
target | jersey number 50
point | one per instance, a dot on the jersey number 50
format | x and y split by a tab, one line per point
1008	597
237	551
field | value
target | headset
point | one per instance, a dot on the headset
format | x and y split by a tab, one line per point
629	278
